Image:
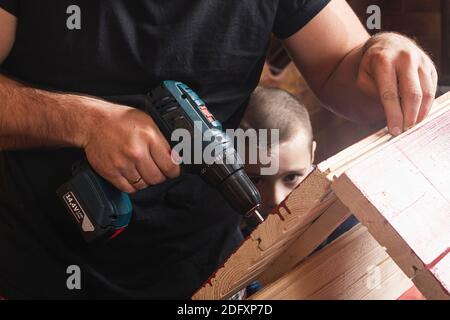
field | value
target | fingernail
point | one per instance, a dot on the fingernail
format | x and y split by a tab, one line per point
396	131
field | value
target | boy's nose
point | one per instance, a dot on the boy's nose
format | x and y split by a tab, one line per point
275	197
279	195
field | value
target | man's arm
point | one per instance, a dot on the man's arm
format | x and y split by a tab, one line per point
32	118
25	127
360	77
121	143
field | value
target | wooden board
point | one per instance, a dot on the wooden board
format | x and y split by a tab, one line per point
353	267
401	191
307	242
290	220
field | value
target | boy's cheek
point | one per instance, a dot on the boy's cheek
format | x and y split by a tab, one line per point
313	151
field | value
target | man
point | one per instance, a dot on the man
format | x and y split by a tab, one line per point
114	49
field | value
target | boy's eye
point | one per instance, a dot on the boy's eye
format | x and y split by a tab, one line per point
292	178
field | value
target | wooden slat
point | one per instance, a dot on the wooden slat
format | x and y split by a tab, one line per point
304	245
353	267
337	164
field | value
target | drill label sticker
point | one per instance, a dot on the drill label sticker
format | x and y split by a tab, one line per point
207	114
78	212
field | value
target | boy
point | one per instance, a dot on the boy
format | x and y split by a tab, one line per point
271	108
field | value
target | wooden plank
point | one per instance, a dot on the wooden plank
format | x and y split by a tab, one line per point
393	282
304	245
353	267
401	192
271	238
355	151
337	164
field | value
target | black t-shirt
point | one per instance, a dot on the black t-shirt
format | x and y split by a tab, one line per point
181	230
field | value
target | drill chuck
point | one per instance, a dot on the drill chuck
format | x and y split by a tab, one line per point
240	193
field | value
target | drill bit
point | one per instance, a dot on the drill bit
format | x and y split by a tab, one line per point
253	219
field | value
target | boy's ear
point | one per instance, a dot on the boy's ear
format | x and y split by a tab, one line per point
313	150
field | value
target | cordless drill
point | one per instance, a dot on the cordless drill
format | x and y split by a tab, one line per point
102	212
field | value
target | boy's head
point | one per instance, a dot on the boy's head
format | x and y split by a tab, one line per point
271	108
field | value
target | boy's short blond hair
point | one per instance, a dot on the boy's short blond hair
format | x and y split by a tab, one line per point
272	108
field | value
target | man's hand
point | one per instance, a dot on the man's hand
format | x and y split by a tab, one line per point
361	78
122	144
8	26
127	148
402	75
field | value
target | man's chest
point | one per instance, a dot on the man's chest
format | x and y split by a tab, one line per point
144	32
123	47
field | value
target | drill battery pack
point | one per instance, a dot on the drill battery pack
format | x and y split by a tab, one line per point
97	207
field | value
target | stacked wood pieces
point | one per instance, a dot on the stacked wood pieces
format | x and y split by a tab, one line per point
353	267
291	233
368	178
306	243
401	191
288	222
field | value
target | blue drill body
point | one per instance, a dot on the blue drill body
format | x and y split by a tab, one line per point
102	212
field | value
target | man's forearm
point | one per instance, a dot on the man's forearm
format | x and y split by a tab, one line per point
33	118
343	93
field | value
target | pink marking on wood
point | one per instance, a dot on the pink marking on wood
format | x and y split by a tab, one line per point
438	259
285	207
